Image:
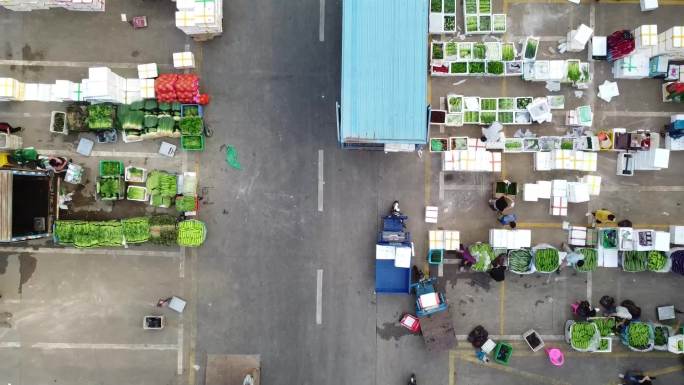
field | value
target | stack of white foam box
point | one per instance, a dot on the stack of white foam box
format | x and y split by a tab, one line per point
510	239
646	38
183	60
677	235
633	66
565	160
671	43
559	197
147	88
577	236
471	160
71	5
148	71
103	85
593	182
200	17
11	89
444	240
133	91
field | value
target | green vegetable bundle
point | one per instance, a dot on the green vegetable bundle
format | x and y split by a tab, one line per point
484	254
132	120
89	234
656	260
680	345
519	261
185	203
136	193
546	260
165	124
161	183
590	260
638	335
111	168
136	230
163	230
191	233
581	335
100	116
151	121
109	188
191	125
604	344
605	325
635	261
65	231
661	334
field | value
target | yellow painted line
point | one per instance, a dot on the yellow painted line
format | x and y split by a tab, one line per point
540	225
452	367
502	303
521	373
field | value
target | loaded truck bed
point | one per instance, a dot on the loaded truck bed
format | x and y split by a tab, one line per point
438	331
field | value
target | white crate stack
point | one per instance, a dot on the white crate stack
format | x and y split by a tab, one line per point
565	160
11	90
103	86
200	17
671	43
472	160
71	5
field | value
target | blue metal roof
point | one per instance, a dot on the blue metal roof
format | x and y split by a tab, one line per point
384	71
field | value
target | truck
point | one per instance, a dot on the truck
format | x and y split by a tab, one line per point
28	204
393	252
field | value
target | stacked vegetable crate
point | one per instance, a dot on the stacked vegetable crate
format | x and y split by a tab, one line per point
485	111
192	128
442	16
162	187
149	119
450	58
478	18
110	184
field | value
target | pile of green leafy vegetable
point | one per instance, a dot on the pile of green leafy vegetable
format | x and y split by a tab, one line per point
163	230
661	335
110	187
89	234
656	260
136	230
162	183
484	254
111	168
191	233
100	116
519	261
192	142
605	325
136	193
185	203
191	125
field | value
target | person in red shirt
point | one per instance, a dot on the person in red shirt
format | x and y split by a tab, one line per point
8	129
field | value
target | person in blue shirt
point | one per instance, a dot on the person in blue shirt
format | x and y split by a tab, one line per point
508	219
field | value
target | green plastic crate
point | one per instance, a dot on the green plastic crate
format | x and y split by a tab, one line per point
507	356
435	257
183	143
117	162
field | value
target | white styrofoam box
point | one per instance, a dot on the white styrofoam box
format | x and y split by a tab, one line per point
626	238
61	90
599	46
31	92
436	239
634	66
557	70
661	158
183	60
147	88
661	241
646	35
431	213
593	182
148	71
608	257
530	192
522	238
559	188
677	235
578	192
185	4
590	161
476	144
44	92
559	206
577	236
384	252
543	161
638	246
452	240
402	257
544	189
648	5
76	91
11	89
185	19
133	96
99	73
673	38
495	162
132	85
498	238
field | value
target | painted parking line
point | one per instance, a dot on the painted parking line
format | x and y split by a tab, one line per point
108	252
179	354
319	296
321	180
84	346
534	377
321	21
72	64
502	307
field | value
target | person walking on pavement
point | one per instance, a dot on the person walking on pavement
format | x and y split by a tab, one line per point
508	219
8	129
604	217
501	203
